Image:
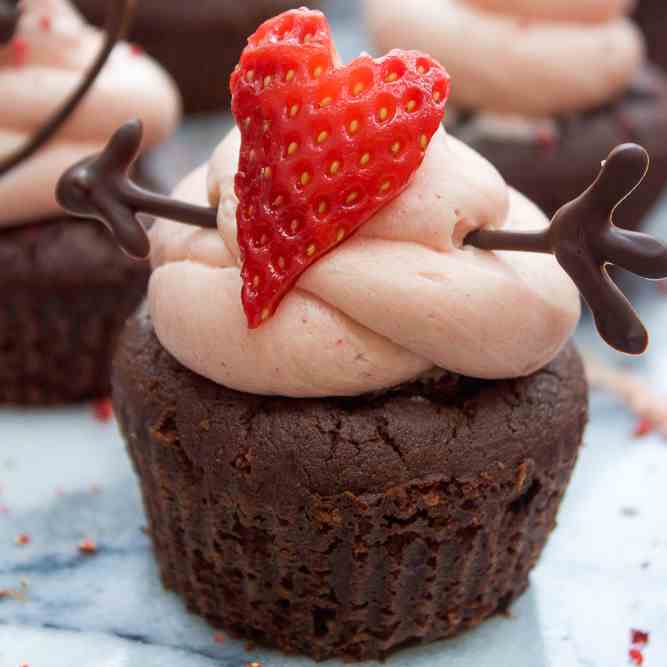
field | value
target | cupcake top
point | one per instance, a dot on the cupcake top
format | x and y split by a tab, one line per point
522	57
39	68
399	299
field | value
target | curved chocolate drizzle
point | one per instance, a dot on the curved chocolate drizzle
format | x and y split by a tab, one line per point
9	20
99	187
582	235
118	16
585	240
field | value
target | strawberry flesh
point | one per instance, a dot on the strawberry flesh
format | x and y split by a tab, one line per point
323	148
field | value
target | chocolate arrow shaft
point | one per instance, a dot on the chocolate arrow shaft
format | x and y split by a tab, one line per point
495	239
116	24
138	199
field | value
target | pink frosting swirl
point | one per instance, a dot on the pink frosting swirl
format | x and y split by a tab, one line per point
397	300
530	57
37	72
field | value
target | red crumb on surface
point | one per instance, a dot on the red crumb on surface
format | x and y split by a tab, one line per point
648	406
643	427
20	51
636	656
88	546
639	637
23	539
219	638
103	410
18	594
45	23
136	49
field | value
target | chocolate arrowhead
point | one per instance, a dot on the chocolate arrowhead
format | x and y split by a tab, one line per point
585	241
99	187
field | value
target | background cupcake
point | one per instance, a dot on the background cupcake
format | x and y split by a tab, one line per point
652	18
67	288
541	89
377	457
199	43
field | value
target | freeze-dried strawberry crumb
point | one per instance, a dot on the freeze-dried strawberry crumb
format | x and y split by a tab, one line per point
643	427
636	657
20	50
87	546
103	410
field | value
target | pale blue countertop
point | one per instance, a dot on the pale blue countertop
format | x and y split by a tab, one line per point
65	476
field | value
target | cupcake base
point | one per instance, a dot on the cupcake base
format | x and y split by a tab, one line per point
347	527
198	43
551	170
67	290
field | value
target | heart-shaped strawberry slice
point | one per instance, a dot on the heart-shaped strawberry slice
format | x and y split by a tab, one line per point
323	148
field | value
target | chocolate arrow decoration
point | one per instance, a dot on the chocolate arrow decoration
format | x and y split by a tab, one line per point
582	235
118	16
9	20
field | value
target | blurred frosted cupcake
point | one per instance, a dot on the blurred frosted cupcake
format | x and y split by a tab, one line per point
67	288
541	89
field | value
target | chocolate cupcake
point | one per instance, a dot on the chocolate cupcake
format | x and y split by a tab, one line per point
347	526
542	89
317	482
352	425
652	18
198	43
67	287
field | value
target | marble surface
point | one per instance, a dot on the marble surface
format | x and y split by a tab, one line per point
65	477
